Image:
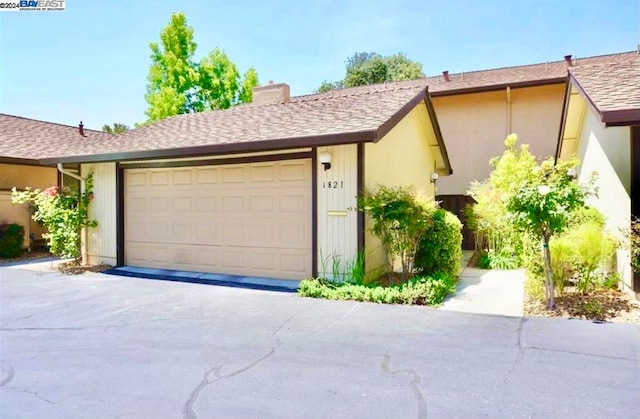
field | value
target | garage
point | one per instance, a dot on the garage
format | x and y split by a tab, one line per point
249	219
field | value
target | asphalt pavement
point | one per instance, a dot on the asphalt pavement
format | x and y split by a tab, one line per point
100	346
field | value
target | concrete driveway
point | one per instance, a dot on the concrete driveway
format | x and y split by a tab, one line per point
99	346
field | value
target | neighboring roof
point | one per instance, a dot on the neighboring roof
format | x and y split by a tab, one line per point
354	115
488	80
353	118
24	140
612	88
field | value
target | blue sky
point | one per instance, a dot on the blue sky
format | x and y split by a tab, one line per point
90	62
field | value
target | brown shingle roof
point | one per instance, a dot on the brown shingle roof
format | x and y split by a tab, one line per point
346	119
612	87
30	139
347	115
486	80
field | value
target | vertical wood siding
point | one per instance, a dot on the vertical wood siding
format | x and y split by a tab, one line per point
102	239
337	218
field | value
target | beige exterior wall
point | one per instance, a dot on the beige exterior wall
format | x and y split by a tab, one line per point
101	245
404	157
606	151
474	127
337	220
21	177
15	213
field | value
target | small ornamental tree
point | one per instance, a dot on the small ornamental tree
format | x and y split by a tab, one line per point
63	214
542	205
399	220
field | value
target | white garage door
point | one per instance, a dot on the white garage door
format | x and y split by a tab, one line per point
243	219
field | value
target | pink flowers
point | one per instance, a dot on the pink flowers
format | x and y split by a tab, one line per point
51	191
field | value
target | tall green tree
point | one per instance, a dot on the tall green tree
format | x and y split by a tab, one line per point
179	84
364	68
116	128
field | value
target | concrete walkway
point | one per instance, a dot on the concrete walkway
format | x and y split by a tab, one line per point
487	291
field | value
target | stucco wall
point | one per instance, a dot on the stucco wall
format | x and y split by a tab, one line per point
402	158
474	127
606	151
20	176
101	246
15	213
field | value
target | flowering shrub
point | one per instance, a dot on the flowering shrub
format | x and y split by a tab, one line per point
63	213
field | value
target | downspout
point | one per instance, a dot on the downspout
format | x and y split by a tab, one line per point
83	232
509	110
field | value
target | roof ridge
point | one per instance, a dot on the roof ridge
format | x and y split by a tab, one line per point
537	64
429	78
53	123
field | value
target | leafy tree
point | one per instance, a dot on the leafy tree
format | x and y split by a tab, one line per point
177	84
327	86
495	235
364	68
116	128
400	219
543	204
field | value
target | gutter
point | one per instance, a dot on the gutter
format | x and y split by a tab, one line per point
83	231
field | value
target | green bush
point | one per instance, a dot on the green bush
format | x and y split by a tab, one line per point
11	240
495	234
399	220
417	291
63	212
440	249
586	214
592	251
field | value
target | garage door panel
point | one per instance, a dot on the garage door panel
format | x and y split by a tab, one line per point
233	174
159	178
182	176
233	203
262	173
250	219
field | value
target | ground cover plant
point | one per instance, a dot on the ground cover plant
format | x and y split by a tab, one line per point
424	240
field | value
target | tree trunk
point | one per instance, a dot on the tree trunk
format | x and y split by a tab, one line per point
551	289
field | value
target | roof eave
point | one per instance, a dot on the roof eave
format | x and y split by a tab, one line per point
222	149
563	115
621	117
501	86
438	134
20	161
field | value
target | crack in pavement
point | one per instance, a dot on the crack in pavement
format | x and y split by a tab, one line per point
344	316
10	373
80	328
187	410
33	393
415	380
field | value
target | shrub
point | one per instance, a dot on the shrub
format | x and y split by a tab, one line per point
418	291
63	213
440	249
592	250
11	240
399	221
494	233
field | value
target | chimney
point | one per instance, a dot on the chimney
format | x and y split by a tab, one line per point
81	129
271	94
445	74
568	60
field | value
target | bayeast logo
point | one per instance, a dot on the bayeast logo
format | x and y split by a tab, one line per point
42	4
